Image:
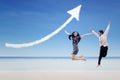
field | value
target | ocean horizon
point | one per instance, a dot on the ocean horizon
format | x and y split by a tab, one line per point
53	57
56	63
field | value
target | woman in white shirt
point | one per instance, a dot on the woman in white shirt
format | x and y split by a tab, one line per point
103	42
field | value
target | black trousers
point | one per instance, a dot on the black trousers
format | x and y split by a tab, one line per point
103	53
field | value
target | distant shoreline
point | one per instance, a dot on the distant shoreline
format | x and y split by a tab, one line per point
48	57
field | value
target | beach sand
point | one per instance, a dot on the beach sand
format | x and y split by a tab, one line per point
59	75
59	69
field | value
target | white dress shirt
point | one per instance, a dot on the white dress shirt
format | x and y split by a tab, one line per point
103	38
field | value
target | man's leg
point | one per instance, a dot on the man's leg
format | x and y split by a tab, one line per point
105	51
100	55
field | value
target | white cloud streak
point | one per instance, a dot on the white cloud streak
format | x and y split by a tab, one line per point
74	14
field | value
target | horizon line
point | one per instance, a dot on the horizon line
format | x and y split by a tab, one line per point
52	57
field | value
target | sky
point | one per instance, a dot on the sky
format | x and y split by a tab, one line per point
23	21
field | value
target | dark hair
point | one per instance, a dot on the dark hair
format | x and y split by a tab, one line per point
72	35
101	31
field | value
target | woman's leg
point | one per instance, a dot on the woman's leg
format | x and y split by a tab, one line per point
74	57
75	51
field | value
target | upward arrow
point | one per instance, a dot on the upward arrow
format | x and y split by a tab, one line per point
74	14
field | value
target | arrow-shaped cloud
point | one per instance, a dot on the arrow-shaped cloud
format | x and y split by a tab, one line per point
74	14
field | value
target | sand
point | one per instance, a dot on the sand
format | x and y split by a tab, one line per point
59	75
59	69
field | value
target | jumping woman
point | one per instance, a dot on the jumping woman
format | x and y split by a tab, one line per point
75	37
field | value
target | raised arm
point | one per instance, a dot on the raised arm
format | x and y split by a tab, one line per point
84	35
107	29
95	33
67	32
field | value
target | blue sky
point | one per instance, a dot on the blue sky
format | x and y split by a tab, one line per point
23	21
